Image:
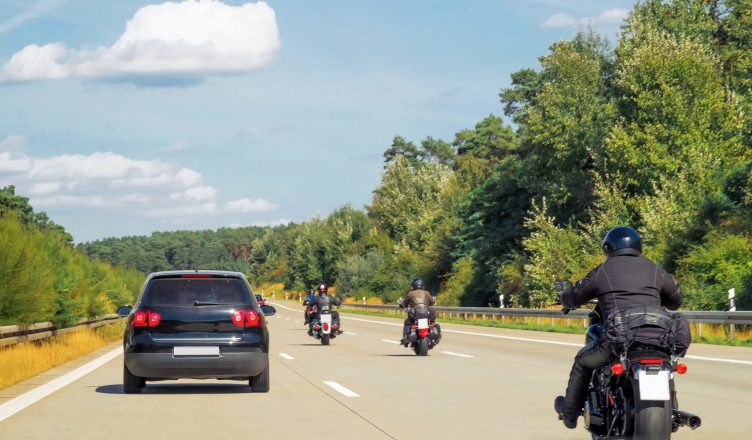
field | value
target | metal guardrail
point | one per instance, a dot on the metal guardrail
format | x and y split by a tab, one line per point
720	318
14	334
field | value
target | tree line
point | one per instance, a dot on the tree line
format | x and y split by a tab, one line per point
653	131
44	278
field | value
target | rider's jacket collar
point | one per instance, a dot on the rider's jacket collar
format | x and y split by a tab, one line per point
628	251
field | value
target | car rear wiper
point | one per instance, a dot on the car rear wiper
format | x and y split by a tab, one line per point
209	303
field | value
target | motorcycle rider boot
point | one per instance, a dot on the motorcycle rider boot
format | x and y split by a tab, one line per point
569	421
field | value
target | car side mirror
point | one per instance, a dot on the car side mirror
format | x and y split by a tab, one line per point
268	310
124	311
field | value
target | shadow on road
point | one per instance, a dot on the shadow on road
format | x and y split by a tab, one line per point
197	388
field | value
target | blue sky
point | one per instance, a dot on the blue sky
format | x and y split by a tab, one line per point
122	132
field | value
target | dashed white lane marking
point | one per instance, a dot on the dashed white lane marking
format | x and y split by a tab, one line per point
13	406
351	333
286	356
297	322
341	389
451	353
540	341
390	341
287	319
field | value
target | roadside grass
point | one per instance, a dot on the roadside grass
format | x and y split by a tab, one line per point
711	334
22	361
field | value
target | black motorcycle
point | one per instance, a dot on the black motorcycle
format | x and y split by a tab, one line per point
633	396
423	334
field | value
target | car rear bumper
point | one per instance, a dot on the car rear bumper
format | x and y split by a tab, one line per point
228	365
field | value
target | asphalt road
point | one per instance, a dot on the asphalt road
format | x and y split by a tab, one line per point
479	383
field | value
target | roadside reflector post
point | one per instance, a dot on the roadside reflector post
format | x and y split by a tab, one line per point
732	308
364	300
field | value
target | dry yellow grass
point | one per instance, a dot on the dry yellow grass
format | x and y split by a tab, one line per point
25	360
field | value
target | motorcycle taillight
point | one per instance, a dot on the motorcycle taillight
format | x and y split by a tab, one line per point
423	332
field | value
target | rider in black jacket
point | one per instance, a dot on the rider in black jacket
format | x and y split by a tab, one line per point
325	302
626	278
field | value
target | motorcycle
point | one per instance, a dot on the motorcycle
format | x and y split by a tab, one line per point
423	335
633	396
322	327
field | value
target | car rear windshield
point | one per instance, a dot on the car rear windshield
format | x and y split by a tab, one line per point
189	292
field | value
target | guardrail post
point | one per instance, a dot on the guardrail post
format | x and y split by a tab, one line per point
699	330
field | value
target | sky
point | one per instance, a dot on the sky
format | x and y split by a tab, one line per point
128	117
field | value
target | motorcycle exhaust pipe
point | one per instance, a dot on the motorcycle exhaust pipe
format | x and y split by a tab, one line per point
684	418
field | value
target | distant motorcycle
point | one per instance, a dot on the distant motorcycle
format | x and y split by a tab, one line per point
633	396
322	327
423	335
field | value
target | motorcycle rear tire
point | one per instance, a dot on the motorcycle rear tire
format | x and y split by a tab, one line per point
652	418
423	347
325	339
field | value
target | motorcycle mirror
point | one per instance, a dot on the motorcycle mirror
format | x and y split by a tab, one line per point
400	300
563	285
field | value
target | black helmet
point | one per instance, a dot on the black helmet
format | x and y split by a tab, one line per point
621	237
323	288
418	284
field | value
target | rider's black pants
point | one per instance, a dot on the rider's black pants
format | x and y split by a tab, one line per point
592	356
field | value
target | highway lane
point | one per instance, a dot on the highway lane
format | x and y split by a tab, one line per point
471	386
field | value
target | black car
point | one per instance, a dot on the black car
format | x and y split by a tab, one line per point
196	324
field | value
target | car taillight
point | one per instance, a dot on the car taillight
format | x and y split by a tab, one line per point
146	318
246	318
681	368
423	332
617	369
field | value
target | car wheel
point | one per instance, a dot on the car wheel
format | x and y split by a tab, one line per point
260	383
132	384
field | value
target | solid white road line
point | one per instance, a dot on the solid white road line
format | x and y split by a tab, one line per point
286	356
390	341
714	359
351	333
540	341
13	406
451	353
342	390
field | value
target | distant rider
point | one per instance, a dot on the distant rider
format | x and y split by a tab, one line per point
625	278
322	302
416	298
309	303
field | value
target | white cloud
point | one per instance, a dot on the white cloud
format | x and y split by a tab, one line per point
248	205
196	194
190	38
559	20
127	187
13	143
609	16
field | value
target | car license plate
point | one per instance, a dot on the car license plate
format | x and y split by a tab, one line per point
195	351
653	385
423	323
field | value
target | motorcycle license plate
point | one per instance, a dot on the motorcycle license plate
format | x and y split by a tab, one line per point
326	319
653	385
422	323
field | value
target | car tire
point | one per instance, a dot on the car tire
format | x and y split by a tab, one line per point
132	384
260	383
